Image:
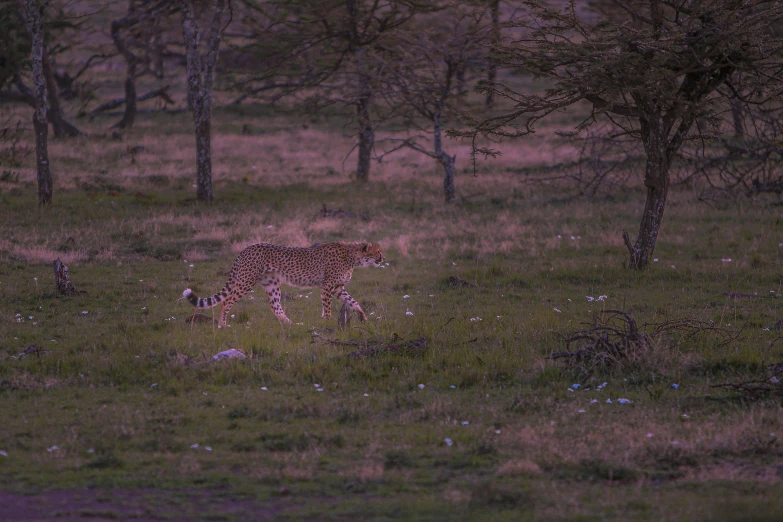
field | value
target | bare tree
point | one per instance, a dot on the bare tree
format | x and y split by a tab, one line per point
34	16
653	73
429	75
200	80
334	51
147	13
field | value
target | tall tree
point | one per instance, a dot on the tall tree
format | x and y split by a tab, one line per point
335	51
144	14
201	73
432	61
13	68
34	16
652	72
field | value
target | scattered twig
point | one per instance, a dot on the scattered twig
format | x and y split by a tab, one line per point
199	318
757	388
456	281
340	213
413	347
444	326
318	337
619	337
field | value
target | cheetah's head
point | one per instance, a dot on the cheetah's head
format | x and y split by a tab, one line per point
371	255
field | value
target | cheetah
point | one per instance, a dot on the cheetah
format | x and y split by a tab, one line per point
327	265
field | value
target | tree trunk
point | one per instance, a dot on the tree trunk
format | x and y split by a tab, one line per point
129	116
444	159
62	127
200	79
35	26
656	180
736	116
448	177
203	156
366	139
492	68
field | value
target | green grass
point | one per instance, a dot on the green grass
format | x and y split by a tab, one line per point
114	392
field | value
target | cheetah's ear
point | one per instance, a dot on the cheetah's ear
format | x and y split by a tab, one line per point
365	248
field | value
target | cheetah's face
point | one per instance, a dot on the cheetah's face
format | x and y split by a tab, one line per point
371	255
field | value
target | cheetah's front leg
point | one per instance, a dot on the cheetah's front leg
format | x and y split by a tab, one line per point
340	293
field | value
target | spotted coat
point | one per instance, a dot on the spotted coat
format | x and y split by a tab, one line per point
328	266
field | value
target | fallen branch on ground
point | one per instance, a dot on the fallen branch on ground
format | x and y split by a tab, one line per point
413	347
456	281
199	318
771	384
340	213
618	337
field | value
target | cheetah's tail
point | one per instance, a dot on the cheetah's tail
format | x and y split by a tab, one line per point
205	302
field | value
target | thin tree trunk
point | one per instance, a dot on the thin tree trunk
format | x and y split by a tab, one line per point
492	69
129	116
445	160
366	139
656	180
62	127
736	116
200	79
34	21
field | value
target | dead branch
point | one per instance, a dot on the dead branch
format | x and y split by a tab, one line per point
768	385
618	337
199	318
456	281
318	337
162	93
413	347
340	213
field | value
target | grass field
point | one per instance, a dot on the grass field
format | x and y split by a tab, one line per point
122	411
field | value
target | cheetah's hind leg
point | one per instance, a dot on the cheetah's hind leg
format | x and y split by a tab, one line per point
271	284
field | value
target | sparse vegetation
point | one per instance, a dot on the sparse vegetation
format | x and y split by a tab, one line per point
445	404
130	380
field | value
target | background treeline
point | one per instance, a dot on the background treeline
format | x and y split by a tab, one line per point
661	92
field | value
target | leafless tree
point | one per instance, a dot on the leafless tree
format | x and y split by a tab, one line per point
200	81
428	76
334	51
140	19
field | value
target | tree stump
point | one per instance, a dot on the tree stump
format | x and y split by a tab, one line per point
62	279
344	318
